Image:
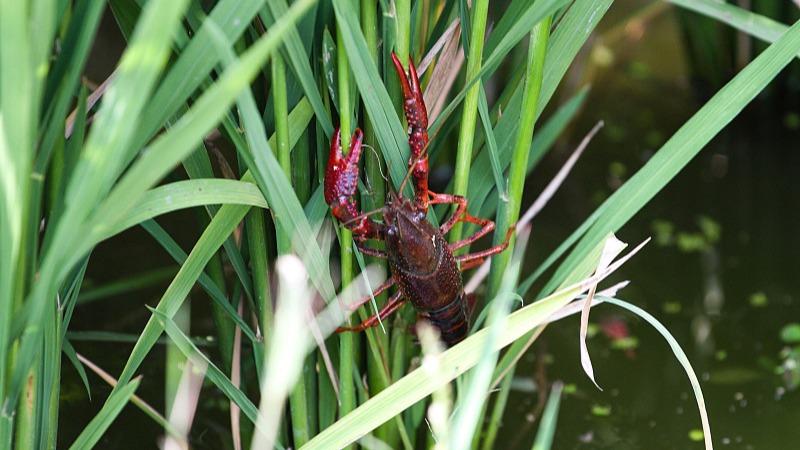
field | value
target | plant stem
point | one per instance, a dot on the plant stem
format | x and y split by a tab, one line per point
25	414
377	367
403	20
301	168
258	246
298	402
509	212
281	104
469	115
497	411
347	341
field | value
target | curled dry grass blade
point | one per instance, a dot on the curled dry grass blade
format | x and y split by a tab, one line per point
611	249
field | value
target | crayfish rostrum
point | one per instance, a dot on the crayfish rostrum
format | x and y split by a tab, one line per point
421	260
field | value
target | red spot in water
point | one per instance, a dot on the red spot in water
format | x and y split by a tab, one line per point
615	328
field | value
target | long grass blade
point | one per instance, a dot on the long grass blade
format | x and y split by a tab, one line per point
196	61
66	72
476	27
284	360
302	68
568	37
113	406
176	144
268	173
187	194
213	373
525	22
547	427
136	400
508	212
472	401
761	27
139	68
221	226
206	281
388	129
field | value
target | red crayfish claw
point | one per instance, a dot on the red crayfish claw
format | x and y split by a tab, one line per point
414	103
417	117
341	183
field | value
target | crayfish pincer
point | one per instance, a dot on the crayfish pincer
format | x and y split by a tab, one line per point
421	260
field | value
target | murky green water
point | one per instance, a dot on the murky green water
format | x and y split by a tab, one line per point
724	278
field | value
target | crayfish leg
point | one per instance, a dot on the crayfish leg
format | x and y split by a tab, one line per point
395	302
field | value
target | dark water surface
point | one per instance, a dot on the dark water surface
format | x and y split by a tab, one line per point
722	274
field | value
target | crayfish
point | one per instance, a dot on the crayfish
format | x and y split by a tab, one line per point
422	263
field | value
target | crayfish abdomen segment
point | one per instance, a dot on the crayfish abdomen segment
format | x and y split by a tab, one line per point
451	320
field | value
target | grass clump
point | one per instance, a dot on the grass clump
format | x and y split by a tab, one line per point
268	80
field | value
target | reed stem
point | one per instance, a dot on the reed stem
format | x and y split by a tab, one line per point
347	341
298	402
469	115
508	213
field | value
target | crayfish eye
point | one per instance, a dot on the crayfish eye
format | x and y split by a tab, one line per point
391	231
419	216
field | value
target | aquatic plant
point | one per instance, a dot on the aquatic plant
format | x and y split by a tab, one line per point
80	164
